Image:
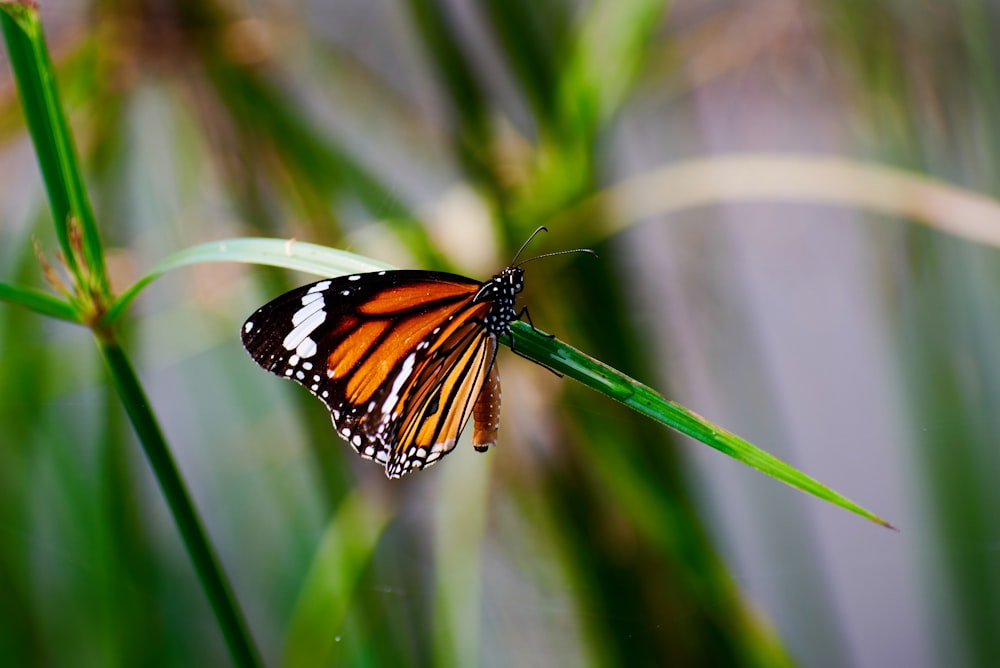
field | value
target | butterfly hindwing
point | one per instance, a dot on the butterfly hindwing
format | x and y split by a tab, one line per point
441	398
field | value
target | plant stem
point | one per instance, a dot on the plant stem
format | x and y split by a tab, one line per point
43	112
214	582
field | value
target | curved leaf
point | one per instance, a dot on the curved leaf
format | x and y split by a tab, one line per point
806	179
289	254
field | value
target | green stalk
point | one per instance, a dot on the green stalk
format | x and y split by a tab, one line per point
213	581
83	255
36	85
538	346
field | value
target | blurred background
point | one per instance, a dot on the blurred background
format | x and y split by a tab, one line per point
859	347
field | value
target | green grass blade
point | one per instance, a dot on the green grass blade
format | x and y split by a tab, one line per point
343	554
453	67
564	359
610	50
39	302
265	116
214	583
795	179
297	255
533	38
461	84
459	542
36	83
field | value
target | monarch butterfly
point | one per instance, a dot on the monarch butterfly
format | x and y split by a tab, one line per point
401	358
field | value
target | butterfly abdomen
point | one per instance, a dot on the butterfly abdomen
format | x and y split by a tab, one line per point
486	412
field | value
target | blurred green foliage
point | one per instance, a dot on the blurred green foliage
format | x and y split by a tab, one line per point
577	541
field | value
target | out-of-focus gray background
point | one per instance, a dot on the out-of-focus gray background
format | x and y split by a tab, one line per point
860	346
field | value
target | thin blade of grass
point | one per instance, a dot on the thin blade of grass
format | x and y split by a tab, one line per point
605	59
807	179
39	302
532	36
36	83
217	588
440	38
539	347
459	542
344	552
288	254
324	166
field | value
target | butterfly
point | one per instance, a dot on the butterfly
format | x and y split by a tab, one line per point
401	358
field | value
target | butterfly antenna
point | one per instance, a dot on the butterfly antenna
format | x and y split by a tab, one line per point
520	250
564	252
542	228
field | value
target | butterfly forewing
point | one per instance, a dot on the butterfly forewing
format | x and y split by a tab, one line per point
382	350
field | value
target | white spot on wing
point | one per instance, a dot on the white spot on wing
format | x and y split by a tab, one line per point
310	297
307	348
302	331
248	327
404	373
319	287
306	311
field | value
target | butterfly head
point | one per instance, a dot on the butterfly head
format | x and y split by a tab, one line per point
512	278
501	291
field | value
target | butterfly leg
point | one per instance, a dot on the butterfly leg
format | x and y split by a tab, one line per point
525	314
